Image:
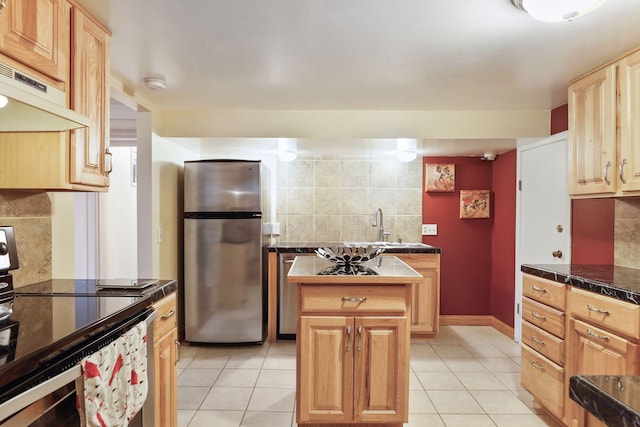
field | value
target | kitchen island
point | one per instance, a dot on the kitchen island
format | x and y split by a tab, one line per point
353	342
57	323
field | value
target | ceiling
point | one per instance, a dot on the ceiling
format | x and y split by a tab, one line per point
357	54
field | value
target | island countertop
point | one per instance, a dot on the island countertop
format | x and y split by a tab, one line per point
391	270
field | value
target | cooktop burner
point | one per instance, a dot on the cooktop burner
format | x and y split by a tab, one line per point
348	270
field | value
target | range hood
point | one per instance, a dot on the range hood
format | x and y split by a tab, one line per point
34	106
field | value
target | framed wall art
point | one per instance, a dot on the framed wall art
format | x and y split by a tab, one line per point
475	204
440	177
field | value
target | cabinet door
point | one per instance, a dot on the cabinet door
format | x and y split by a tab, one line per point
630	123
90	96
592	133
36	33
381	382
425	303
594	351
165	387
325	369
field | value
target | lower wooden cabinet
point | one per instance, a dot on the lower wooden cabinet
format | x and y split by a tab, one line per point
354	369
425	296
595	351
544	379
165	353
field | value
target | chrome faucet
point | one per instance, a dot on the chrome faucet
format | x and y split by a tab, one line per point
374	223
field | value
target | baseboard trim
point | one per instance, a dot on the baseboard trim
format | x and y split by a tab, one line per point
477	320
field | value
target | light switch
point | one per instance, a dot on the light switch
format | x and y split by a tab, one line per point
429	229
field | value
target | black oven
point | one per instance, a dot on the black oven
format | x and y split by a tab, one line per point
48	398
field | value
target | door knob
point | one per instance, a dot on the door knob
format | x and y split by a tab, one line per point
557	254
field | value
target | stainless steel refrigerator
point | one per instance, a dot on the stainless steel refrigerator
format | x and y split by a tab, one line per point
226	203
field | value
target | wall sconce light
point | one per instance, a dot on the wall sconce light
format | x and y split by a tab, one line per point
3	101
287	149
556	11
407	149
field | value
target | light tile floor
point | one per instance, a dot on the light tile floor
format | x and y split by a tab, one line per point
466	376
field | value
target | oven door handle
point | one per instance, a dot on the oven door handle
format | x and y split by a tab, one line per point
26	398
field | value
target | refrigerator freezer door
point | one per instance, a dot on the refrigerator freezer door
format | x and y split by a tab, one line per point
222	186
223	280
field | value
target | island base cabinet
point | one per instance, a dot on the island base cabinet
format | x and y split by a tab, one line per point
353	370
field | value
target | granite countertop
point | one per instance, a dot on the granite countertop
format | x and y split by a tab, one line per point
318	270
310	247
614	400
55	322
614	281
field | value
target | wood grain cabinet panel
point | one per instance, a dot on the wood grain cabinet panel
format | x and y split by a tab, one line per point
604	130
545	291
425	299
544	317
610	313
165	352
543	342
91	161
36	33
544	379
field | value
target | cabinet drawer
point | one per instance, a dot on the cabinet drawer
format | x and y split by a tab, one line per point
545	317
355	298
545	291
610	313
544	380
543	342
167	316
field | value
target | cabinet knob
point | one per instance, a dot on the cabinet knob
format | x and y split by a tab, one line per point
557	254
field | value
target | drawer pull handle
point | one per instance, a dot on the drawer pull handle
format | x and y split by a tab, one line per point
538	316
348	339
354	299
359	344
593	334
543	290
606	173
597	310
178	348
536	340
535	365
168	315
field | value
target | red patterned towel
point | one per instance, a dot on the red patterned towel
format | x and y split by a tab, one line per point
114	381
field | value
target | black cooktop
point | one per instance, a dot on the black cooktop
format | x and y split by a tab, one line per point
43	328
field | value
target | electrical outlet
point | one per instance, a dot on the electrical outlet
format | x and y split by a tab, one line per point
429	229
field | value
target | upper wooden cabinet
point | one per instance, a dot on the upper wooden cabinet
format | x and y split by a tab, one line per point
91	161
603	161
36	33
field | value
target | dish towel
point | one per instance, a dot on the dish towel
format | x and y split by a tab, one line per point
114	382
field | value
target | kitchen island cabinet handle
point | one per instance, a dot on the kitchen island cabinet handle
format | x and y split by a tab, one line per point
3	4
593	334
348	339
620	170
168	315
543	290
597	310
359	344
108	153
535	365
536	340
178	347
356	299
538	316
606	173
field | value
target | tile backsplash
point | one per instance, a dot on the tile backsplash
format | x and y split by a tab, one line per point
332	198
627	232
30	215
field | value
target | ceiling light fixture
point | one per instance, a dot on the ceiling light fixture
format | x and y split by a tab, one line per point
155	82
287	149
3	101
407	149
557	10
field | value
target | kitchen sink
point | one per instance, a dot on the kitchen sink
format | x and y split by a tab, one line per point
388	244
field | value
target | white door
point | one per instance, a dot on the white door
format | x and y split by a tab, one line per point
543	210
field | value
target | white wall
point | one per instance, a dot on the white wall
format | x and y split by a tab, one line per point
118	219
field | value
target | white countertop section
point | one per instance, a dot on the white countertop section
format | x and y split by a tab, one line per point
391	270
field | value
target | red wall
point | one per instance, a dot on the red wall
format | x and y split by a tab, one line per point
503	237
560	119
465	263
